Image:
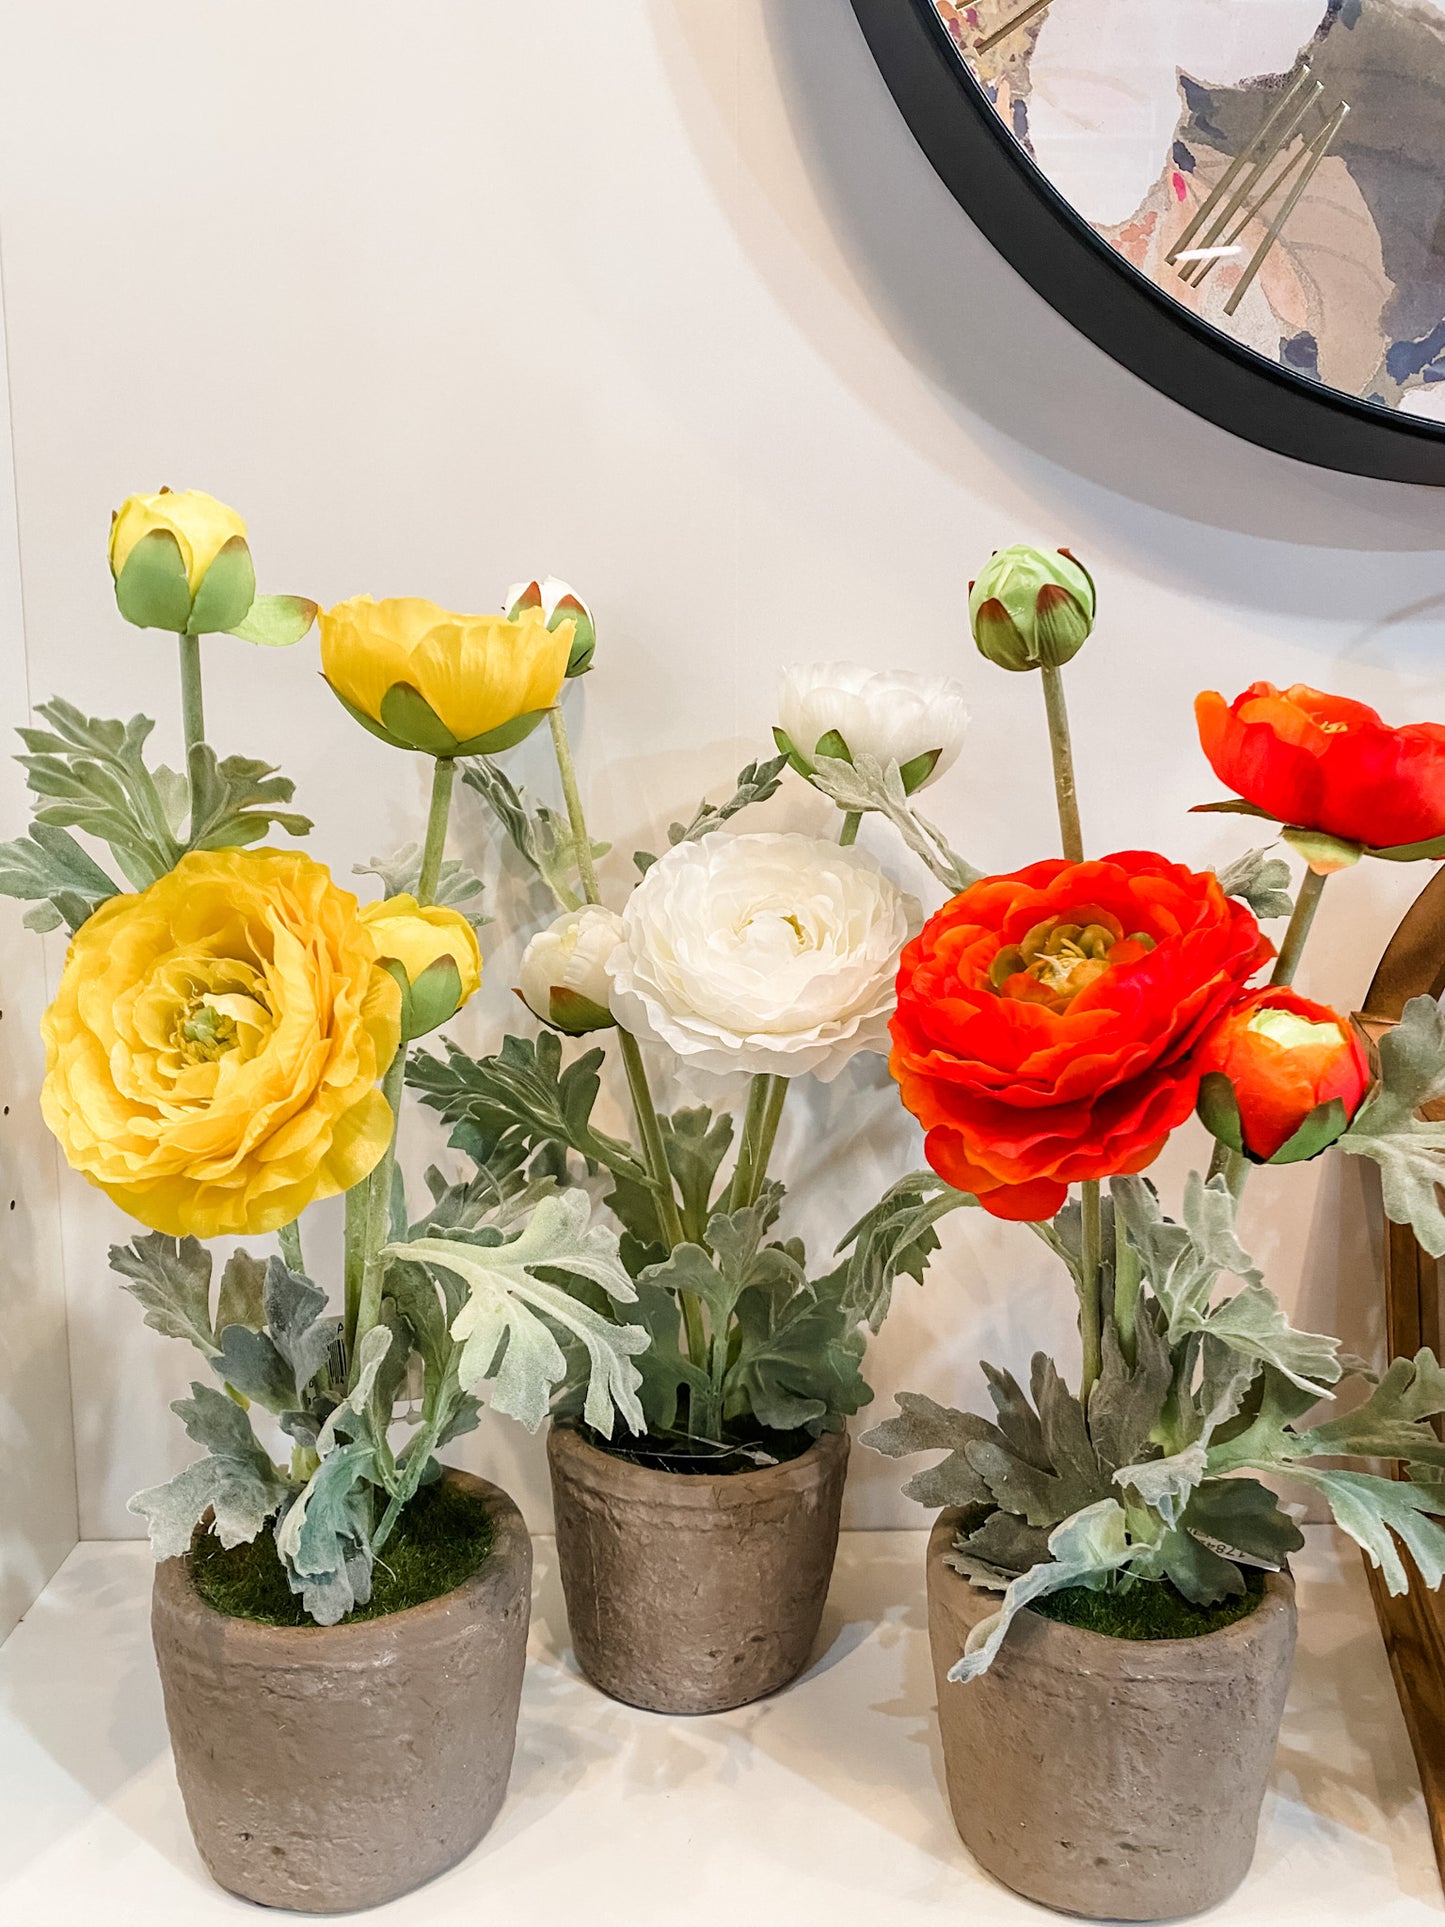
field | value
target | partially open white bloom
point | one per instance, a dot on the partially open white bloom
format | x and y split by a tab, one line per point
563	974
547	591
893	714
761	953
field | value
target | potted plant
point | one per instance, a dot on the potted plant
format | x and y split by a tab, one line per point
696	1558
340	1623
1110	1606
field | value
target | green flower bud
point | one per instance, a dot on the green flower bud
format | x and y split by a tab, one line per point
1031	608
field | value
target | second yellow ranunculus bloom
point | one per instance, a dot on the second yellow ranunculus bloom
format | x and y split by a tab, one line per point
424	678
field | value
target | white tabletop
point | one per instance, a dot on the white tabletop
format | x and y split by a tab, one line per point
822	1807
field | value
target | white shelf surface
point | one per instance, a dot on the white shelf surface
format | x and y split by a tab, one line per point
822	1807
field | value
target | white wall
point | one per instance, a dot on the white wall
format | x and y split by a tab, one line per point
660	295
37	1490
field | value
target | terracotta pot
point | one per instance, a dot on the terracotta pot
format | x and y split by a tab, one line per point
1120	1779
693	1592
330	1768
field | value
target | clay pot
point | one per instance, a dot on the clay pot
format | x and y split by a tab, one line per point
693	1592
330	1768
1120	1779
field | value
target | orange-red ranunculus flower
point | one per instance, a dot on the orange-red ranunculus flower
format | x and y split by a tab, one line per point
1320	762
1047	1021
1284	1057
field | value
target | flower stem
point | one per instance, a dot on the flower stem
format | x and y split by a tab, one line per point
1091	1318
378	1212
193	714
572	796
443	776
354	1263
1063	752
849	832
289	1239
1306	903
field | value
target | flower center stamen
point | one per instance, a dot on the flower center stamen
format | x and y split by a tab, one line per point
1058	960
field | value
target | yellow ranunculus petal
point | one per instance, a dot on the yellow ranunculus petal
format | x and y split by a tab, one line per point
476	672
414	938
214	1046
201	525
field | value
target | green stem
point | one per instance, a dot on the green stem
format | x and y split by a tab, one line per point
289	1239
777	1097
1090	1306
443	776
738	1190
378	1211
193	714
1063	753
1127	1280
849	832
1306	903
572	796
355	1258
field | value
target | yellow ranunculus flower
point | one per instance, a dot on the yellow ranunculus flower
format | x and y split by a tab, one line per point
213	1050
201	525
416	938
423	678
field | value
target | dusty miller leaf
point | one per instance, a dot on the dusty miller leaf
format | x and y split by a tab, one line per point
236	1479
895	1237
172	1281
1260	880
1409	1150
457	888
864	785
510	1300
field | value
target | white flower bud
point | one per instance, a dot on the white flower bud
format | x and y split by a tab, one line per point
563	974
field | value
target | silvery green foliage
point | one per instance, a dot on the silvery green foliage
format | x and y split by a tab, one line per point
1151	1480
274	1349
1260	880
1409	1150
755	784
541	835
507	1325
456	886
89	774
864	785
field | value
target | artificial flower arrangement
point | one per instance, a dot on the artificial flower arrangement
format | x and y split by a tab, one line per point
757	952
226	1047
1053	1028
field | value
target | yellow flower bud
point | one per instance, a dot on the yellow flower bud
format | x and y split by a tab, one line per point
423	678
180	561
435	949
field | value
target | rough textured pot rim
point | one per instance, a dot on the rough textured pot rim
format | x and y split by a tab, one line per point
1081	1647
692	1488
509	1534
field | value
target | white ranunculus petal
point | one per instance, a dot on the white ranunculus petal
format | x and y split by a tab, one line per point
761	953
893	714
570	954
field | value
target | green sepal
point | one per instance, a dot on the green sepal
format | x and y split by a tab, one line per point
226	591
785	745
412	720
435	996
569	1011
1325	1123
584	639
276	621
1324	854
1234	806
1218	1110
831	743
368	723
152	591
917	770
1431	850
505	736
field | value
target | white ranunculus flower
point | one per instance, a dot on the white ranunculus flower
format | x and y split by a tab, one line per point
892	714
563	974
761	953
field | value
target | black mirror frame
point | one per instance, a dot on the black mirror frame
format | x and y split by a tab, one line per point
1104	296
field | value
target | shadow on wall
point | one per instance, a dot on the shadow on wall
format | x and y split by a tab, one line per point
841	213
